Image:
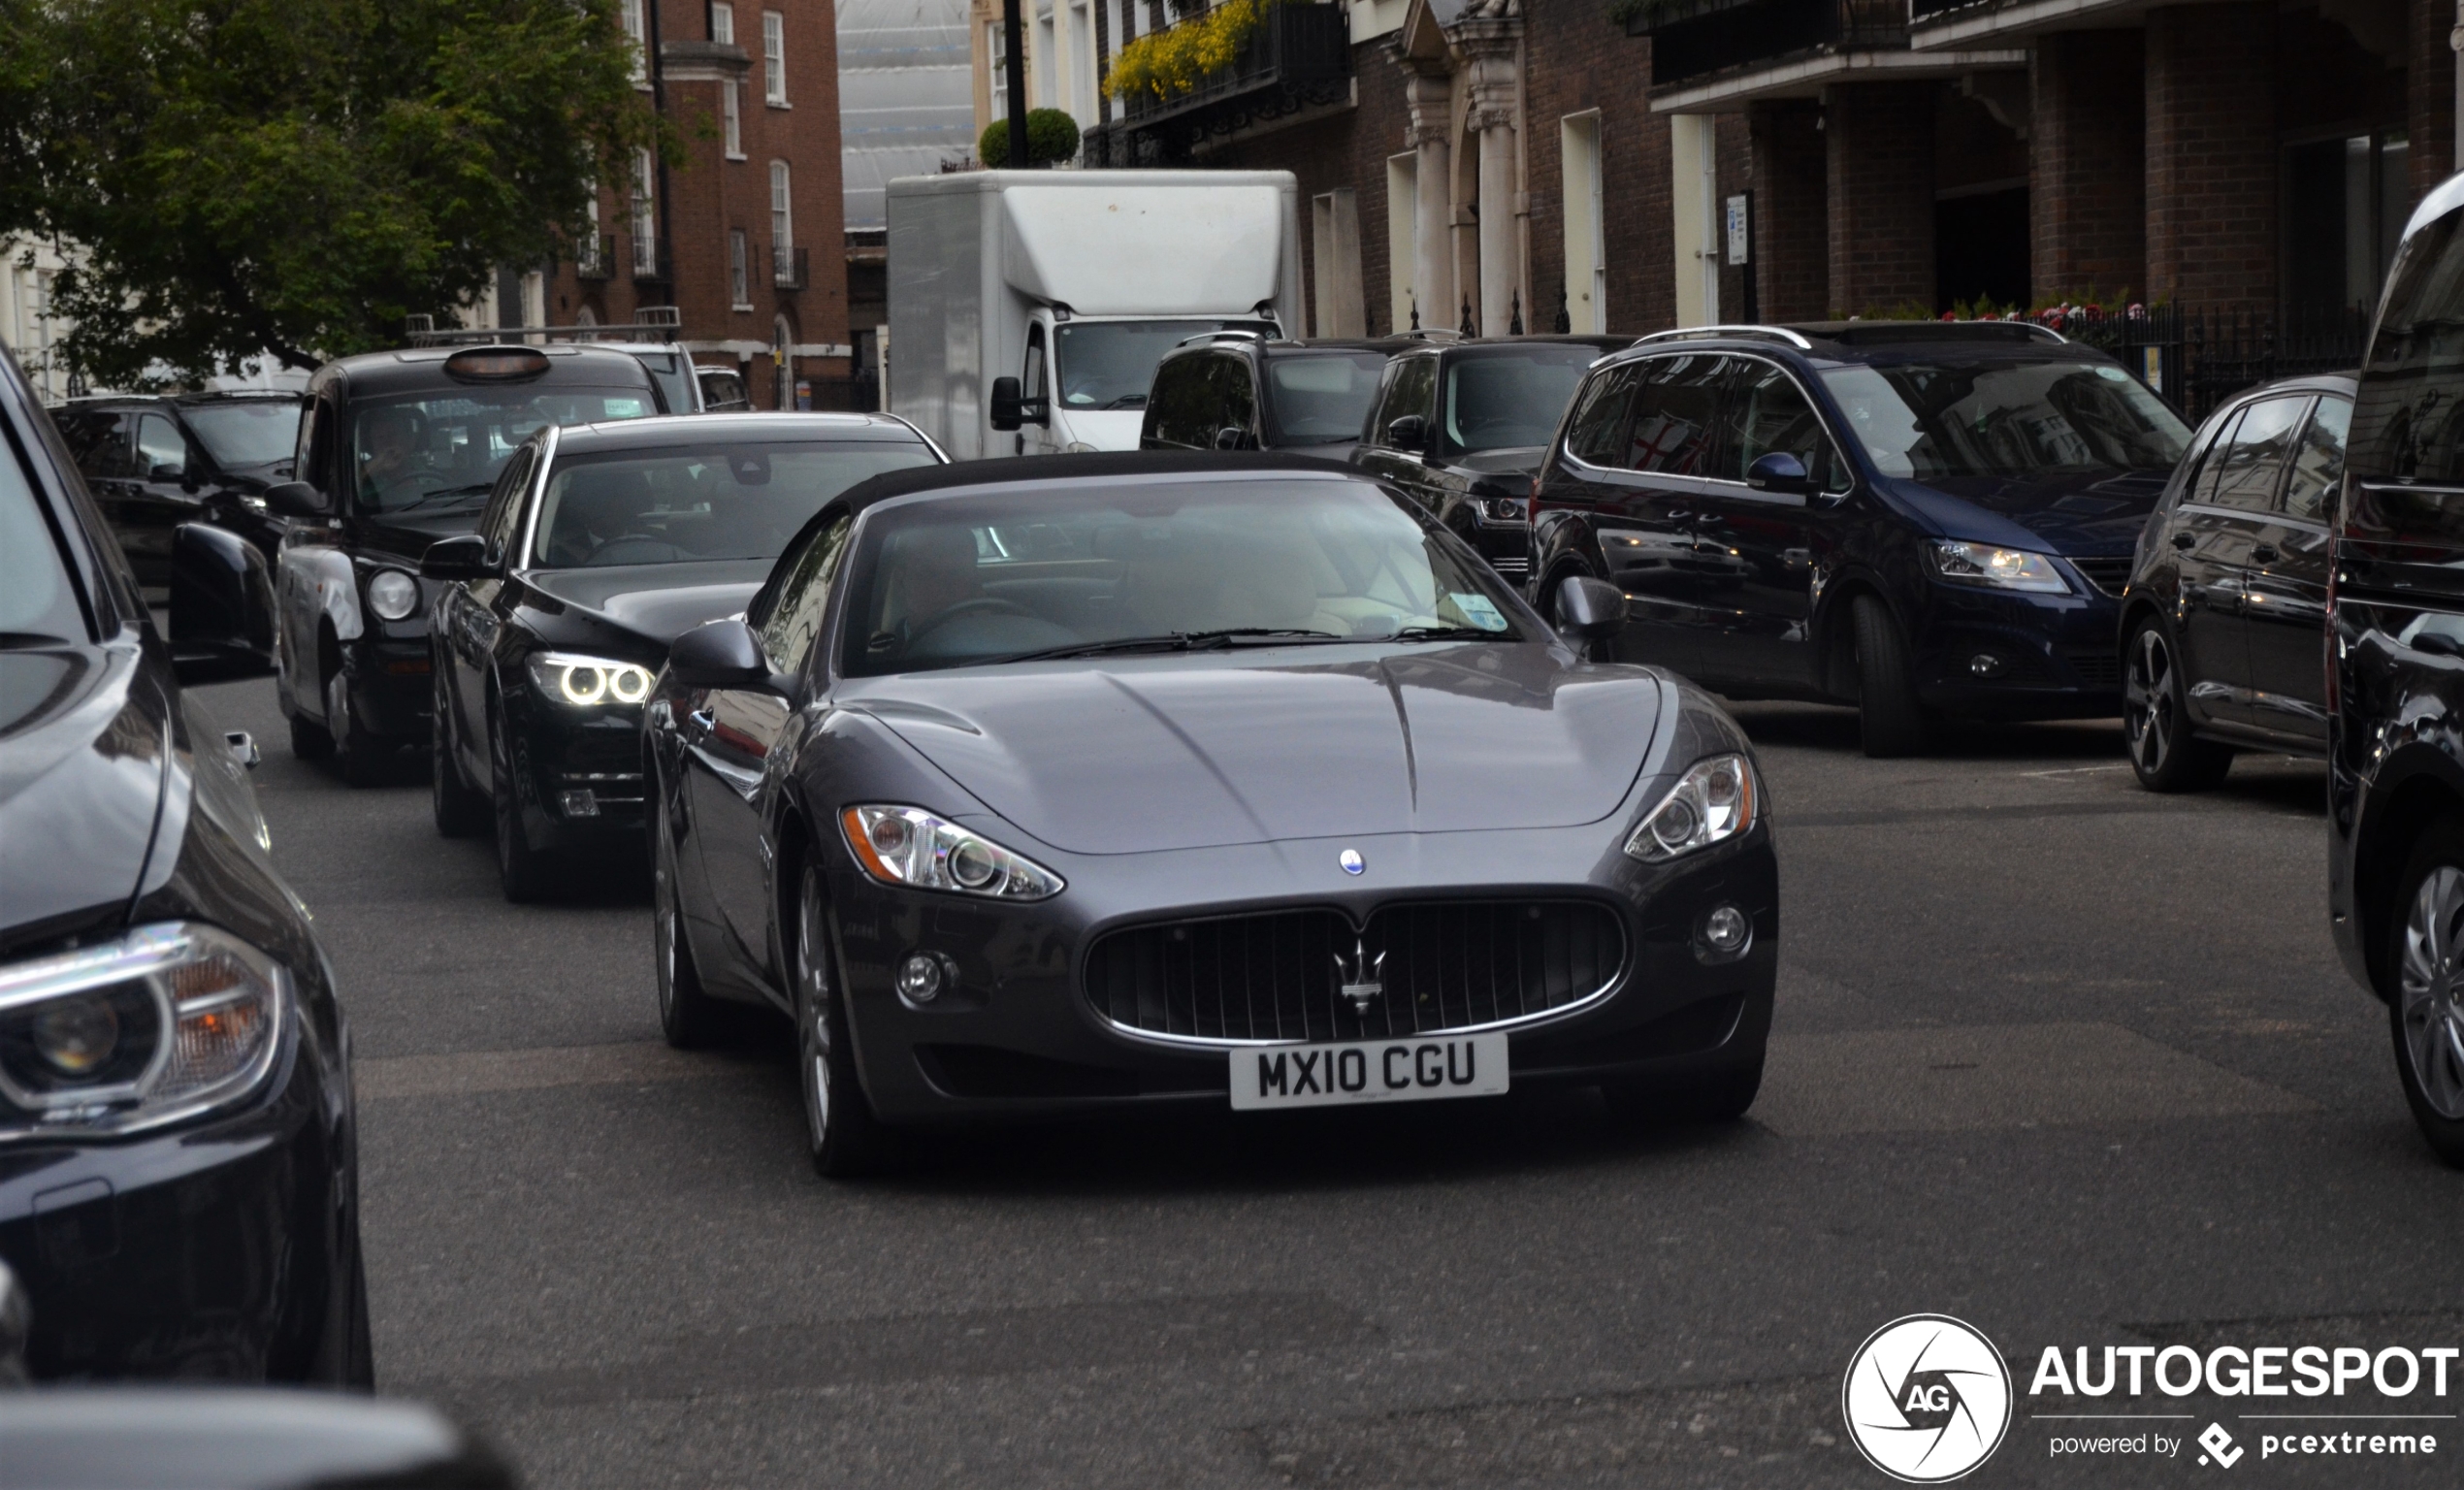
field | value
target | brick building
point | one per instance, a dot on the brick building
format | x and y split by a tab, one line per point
745	239
1537	162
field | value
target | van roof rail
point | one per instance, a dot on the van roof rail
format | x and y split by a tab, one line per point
1223	334
651	323
1704	333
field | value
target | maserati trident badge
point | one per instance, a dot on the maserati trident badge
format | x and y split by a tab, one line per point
1360	981
1351	861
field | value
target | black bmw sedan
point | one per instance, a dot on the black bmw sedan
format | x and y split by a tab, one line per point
1126	781
599	544
179	1186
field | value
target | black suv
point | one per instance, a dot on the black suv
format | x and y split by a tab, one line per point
1462	426
401	450
1237	389
2395	672
1916	517
2226	609
155	462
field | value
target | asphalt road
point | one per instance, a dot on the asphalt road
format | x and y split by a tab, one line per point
2054	1055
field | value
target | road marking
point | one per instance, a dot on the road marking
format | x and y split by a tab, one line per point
1999	1075
467	1072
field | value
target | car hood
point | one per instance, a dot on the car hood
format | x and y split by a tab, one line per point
408	535
1121	755
655	601
2074	513
83	748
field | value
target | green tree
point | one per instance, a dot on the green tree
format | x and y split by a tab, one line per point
254	176
1050	135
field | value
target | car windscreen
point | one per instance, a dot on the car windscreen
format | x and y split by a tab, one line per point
38	603
1110	365
964	580
246	431
676	505
1938	419
1325	397
440	450
1499	401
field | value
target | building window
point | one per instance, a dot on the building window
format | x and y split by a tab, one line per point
1586	254
1045	87
1082	63
2347	200
723	23
997	50
645	214
739	279
774	58
733	110
782	224
637	31
590	255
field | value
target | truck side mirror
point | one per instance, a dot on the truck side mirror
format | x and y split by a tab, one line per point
295	498
1409	432
222	606
1008	408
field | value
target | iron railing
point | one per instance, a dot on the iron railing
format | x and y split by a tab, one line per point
1299	57
2198	357
1699	38
790	268
649	262
590	255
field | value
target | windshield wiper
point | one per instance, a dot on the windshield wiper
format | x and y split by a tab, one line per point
1179	641
475	489
1128	400
1450	633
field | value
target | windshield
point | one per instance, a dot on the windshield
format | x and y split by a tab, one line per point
717	502
254	431
441	450
1104	365
966	580
1324	398
1499	401
1934	420
37	605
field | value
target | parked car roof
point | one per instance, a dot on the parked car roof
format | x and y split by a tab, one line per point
423	367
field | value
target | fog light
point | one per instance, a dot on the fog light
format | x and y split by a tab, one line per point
578	804
1725	932
920	978
1985	664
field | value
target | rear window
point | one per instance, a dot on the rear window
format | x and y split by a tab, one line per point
1324	399
2408	430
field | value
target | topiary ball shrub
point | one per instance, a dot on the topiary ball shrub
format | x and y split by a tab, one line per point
1050	135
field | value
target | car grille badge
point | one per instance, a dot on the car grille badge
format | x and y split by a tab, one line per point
1361	982
1351	861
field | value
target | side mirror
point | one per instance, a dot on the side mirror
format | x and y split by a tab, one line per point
1007	412
724	654
464	555
1409	432
166	471
1589	611
222	606
1779	472
1232	437
295	498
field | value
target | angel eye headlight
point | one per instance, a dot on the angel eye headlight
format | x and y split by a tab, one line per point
392	595
909	847
1714	801
165	1023
588	682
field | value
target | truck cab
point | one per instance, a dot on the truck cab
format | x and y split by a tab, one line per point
1082	384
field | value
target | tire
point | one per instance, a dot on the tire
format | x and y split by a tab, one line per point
687	1016
2165	755
362	754
309	739
525	871
1890	719
2425	1012
460	811
1719	1096
844	1136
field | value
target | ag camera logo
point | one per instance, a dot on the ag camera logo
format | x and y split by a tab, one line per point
1928	1399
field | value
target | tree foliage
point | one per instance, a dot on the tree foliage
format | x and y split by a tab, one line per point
238	177
1052	135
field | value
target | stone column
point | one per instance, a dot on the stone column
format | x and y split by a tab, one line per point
1489	50
1879	183
2087	164
2212	214
1431	99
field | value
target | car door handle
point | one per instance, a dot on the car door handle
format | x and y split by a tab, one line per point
2265	553
2185	540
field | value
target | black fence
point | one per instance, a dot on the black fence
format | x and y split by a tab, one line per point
2198	358
1299	57
1695	41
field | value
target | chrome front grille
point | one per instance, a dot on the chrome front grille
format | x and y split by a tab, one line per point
2109	575
1447	966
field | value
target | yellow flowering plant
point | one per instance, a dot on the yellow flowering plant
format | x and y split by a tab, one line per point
1166	64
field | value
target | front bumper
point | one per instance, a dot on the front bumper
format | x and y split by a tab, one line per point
392	681
2055	656
579	772
1018	1035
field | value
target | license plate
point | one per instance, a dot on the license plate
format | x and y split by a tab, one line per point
1370	1071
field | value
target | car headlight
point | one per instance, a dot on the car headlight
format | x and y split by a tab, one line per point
1503	509
162	1024
2003	568
912	848
1714	801
588	682
392	595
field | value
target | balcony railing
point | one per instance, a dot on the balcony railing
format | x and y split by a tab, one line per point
1692	38
1299	57
649	262
790	268
590	255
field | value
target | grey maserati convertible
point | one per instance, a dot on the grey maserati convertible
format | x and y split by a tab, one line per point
1116	782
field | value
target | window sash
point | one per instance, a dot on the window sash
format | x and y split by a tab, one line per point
782	217
723	23
774	55
735	118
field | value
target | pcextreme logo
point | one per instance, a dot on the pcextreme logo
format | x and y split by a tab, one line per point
1928	1398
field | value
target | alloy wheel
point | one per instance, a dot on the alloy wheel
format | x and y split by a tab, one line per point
813	1008
2147	702
2429	990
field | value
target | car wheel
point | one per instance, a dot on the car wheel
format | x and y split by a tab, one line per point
461	812
1890	719
523	869
2425	1012
845	1137
687	1016
361	754
2165	755
1720	1096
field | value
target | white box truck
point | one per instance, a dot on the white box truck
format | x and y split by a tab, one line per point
1028	309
